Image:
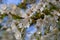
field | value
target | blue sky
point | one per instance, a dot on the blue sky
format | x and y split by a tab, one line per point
16	2
30	31
5	19
12	1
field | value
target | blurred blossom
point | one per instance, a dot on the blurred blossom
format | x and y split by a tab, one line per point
44	26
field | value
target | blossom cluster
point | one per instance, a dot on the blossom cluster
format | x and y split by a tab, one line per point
34	22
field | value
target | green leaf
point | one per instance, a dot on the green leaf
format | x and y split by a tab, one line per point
0	26
42	16
53	7
58	18
22	5
33	22
47	12
3	15
36	16
16	16
57	0
58	25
